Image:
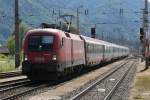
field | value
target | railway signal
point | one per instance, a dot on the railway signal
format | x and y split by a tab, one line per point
142	35
93	35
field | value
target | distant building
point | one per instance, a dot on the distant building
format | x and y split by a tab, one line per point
4	50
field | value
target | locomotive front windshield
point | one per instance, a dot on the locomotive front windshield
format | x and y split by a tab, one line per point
40	43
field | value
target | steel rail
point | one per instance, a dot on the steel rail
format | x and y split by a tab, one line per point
11	97
5	83
10	74
109	95
15	86
107	74
14	82
30	90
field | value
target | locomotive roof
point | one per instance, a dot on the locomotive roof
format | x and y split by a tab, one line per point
47	30
92	40
54	32
73	36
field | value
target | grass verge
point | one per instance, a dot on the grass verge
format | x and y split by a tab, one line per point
6	63
3	57
142	88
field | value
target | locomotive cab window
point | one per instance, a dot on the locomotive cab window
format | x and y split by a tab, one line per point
40	43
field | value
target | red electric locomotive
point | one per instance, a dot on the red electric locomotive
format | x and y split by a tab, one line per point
51	53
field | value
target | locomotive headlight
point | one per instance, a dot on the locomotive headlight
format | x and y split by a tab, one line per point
26	58
54	57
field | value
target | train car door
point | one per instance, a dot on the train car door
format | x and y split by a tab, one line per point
72	57
103	52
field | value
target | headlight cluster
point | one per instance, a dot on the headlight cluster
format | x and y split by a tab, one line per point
25	57
54	57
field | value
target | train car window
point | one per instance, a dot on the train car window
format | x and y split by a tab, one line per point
90	48
114	50
98	48
94	48
106	49
87	48
40	43
47	39
101	49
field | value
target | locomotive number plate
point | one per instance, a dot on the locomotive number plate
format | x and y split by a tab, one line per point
39	59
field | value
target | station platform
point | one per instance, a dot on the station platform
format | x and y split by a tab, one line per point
140	89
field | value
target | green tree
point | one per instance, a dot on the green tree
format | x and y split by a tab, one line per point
11	40
11	45
23	29
72	28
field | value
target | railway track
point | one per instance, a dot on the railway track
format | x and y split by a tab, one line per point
112	91
12	91
28	89
10	74
20	88
104	87
24	90
9	85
